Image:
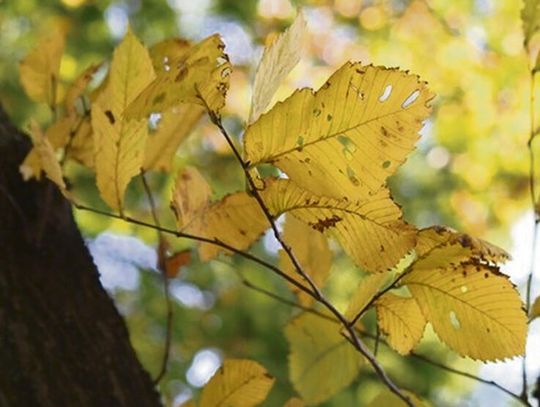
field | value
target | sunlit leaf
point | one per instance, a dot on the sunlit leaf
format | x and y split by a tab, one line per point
81	147
372	231
39	69
366	290
469	299
345	139
191	196
401	320
202	72
172	129
278	59
166	51
238	383
119	154
315	347
312	252
294	402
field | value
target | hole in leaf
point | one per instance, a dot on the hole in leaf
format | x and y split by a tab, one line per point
464	289
226	72
454	320
386	93
410	99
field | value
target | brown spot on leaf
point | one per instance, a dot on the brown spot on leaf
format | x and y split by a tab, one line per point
326	223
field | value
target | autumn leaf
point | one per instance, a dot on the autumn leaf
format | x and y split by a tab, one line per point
278	59
371	231
401	320
315	347
294	402
119	153
238	383
345	139
530	16
77	88
172	129
369	286
56	136
191	196
46	157
81	147
39	69
310	248
119	143
466	297
166	51
200	76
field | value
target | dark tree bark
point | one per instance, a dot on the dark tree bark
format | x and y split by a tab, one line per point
62	341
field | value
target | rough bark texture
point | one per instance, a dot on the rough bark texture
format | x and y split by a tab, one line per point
62	341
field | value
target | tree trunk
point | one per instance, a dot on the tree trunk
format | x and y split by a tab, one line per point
62	341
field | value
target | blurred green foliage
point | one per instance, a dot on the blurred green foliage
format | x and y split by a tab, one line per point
469	171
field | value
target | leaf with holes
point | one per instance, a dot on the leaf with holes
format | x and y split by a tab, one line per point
345	139
466	299
278	59
238	383
200	76
38	71
401	320
311	250
315	347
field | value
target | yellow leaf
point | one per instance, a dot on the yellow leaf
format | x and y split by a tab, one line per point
321	361
238	383
311	250
236	220
47	157
345	139
294	402
445	238
367	289
465	301
191	196
401	320
388	399
119	154
81	147
39	69
78	87
57	135
530	16
371	231
278	59
535	309
172	129
166	51
203	71
131	72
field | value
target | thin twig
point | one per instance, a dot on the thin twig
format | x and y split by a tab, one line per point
168	304
377	338
532	191
353	336
377	296
202	239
